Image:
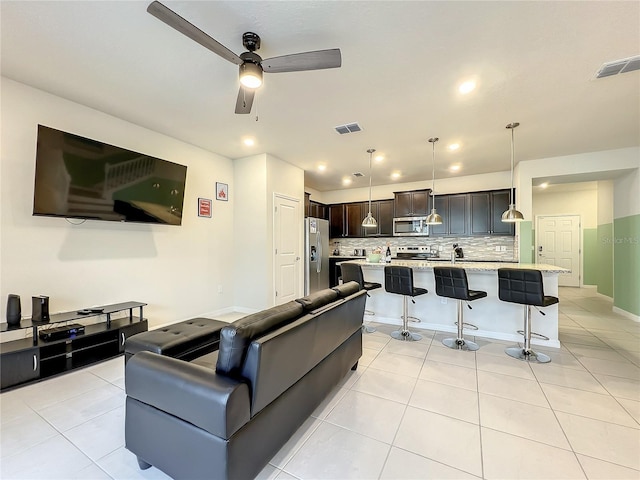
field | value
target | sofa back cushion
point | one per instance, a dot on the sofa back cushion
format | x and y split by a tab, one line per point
235	337
347	289
276	361
317	299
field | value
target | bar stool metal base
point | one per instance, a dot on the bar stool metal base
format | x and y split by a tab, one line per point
368	328
527	355
460	343
404	334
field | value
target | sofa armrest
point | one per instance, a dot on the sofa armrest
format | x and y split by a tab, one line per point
196	394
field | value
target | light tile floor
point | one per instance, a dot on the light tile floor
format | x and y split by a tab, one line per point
411	410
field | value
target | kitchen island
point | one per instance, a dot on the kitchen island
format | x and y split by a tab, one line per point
493	317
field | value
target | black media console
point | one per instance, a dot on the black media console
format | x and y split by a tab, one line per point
30	359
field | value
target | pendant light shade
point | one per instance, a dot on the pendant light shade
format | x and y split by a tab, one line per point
433	218
512	215
369	221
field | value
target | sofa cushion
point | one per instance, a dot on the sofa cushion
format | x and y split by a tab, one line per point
235	337
317	299
346	289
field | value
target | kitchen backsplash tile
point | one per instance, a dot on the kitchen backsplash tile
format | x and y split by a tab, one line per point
474	248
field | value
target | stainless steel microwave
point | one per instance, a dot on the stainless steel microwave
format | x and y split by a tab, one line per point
410	227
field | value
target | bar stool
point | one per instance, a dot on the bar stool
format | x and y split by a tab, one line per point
525	287
399	280
451	282
352	272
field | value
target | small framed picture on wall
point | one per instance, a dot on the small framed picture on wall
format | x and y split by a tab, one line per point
222	191
204	207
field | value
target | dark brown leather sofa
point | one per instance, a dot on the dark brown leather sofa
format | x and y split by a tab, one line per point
273	368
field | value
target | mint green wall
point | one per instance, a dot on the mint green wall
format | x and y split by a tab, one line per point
604	249
590	256
626	267
526	241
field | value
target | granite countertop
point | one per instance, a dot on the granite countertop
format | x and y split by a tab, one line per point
471	266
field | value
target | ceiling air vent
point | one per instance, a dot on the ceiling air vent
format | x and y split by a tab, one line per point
358	174
619	66
348	128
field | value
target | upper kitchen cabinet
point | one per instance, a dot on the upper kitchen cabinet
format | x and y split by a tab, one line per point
315	209
336	220
414	203
354	214
454	211
486	213
382	211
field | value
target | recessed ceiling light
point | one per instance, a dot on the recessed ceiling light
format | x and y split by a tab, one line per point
544	185
322	167
395	175
467	87
454	146
454	168
346	181
379	158
249	142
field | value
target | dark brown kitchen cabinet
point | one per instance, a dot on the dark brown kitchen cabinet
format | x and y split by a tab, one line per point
499	203
385	219
354	214
486	210
414	203
336	220
382	211
454	212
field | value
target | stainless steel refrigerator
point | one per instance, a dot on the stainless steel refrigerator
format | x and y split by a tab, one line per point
316	258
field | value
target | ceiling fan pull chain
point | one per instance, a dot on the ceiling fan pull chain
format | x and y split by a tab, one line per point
256	107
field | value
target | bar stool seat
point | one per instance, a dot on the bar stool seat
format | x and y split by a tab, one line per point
399	280
525	286
352	272
451	282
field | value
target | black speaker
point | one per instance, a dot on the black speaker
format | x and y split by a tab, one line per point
40	308
14	310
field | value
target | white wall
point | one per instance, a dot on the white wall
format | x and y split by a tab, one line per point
257	178
575	202
626	194
176	270
605	202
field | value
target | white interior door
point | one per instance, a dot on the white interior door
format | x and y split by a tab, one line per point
287	232
558	243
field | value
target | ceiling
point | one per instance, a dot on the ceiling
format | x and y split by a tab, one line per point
533	62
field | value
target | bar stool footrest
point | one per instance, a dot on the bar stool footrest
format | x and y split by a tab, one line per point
470	326
534	334
412	319
527	355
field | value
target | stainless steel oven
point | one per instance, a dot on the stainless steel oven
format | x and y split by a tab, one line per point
410	227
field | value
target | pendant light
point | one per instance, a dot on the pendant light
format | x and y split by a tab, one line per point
512	215
369	221
434	218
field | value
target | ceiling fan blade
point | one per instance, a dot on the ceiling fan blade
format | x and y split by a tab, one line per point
175	21
245	100
298	62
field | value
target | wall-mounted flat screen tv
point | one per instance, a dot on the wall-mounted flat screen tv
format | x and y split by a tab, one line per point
77	177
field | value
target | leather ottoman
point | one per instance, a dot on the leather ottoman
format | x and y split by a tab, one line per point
184	340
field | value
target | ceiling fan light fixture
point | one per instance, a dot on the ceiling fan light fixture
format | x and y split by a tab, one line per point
251	75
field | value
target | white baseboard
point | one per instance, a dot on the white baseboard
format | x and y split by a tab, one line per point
629	315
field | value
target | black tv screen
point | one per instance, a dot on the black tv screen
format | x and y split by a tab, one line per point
77	177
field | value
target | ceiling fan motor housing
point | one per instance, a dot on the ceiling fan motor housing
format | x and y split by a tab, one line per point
251	41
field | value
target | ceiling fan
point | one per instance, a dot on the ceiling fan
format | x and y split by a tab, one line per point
251	64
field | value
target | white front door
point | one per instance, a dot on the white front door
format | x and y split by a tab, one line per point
287	239
558	243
